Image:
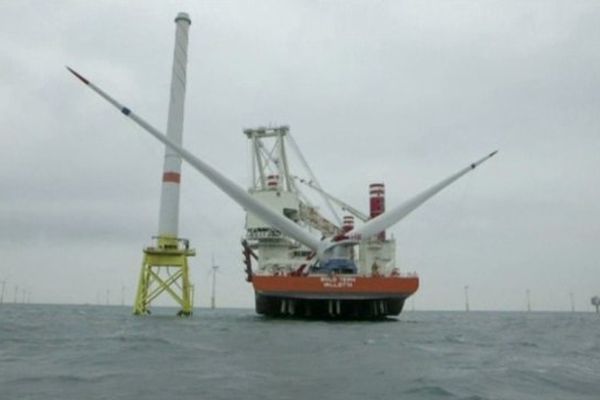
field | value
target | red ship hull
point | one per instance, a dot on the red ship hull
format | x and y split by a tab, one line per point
337	296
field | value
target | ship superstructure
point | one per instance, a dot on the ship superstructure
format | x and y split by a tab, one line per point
272	184
287	281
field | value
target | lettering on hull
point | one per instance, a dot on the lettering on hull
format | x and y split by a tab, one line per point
337	282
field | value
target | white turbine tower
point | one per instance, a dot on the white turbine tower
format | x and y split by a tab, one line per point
170	252
213	291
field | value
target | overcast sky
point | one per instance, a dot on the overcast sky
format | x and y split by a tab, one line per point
394	91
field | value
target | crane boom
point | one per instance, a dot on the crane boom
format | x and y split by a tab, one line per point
345	206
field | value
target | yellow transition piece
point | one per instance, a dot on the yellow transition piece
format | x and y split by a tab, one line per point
165	269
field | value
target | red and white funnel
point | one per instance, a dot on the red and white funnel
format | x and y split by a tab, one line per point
168	221
348	223
273	182
377	203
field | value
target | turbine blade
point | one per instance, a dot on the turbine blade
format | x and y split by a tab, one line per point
393	216
238	194
81	78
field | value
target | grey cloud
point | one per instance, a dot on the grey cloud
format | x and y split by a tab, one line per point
401	92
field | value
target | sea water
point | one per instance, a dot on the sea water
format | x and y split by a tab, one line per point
95	352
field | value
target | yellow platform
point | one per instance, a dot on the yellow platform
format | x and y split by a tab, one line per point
165	269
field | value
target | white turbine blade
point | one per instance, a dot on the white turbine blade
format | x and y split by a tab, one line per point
391	217
234	191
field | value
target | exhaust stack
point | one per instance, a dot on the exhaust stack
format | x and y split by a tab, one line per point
377	203
348	223
168	222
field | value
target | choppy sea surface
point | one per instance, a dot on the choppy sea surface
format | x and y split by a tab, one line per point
95	352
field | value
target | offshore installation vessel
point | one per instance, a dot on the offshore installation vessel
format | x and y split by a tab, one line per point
306	265
286	281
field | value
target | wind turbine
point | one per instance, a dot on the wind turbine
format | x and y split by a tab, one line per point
215	268
333	253
2	293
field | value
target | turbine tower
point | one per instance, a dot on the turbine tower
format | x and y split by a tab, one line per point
2	293
165	265
596	303
215	268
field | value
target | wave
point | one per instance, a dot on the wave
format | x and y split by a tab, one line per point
62	379
430	391
525	344
141	339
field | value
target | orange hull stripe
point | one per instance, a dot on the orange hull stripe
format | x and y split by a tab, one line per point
335	284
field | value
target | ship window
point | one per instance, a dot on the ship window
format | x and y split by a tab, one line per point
291	214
